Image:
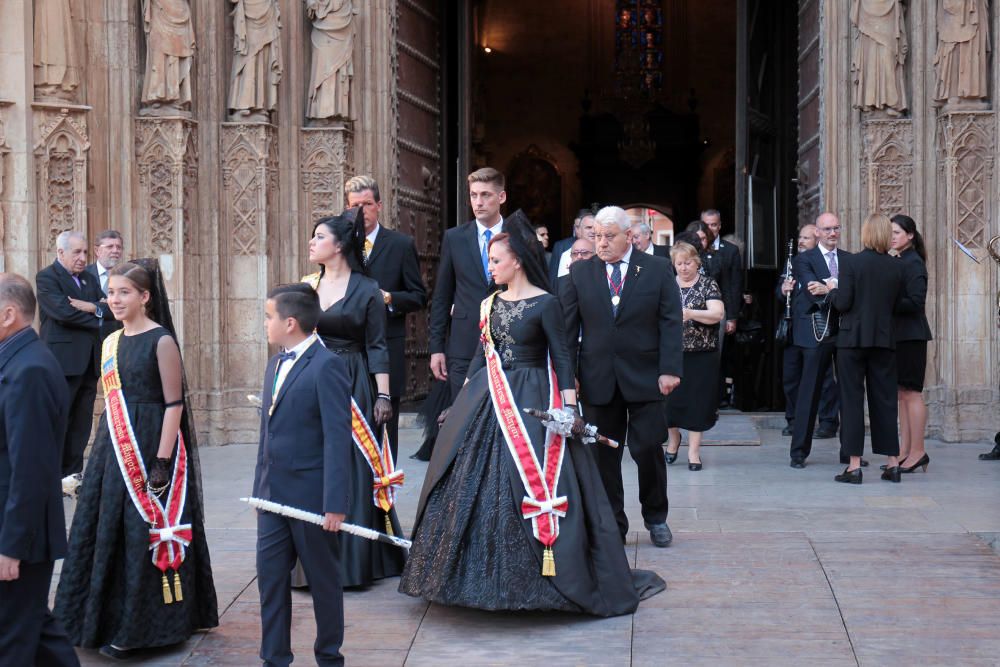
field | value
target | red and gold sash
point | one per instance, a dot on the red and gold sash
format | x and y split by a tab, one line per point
542	504
379	457
168	538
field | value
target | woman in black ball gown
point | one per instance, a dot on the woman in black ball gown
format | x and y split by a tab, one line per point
472	545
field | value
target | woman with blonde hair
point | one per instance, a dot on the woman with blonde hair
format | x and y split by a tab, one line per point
866	295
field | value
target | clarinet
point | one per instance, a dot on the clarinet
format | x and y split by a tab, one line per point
788	274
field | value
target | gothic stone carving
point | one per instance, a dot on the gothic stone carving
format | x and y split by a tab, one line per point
56	58
887	167
962	57
325	167
967	145
4	150
249	180
166	87
60	149
167	165
879	55
257	67
332	58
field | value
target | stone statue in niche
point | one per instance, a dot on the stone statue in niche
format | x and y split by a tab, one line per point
56	60
166	88
332	58
257	68
962	57
879	55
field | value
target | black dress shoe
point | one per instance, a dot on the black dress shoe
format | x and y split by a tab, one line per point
787	430
670	457
992	455
825	432
798	464
109	651
892	475
849	476
694	467
922	463
659	534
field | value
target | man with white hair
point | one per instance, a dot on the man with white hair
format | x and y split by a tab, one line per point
626	307
642	240
71	312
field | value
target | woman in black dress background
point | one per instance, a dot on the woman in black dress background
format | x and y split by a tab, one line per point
472	547
352	324
912	333
694	404
110	594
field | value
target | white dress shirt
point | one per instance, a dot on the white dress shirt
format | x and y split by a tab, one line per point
371	237
494	230
649	249
285	366
624	267
102	277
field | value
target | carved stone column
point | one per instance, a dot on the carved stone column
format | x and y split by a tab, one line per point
167	167
4	151
326	162
249	154
966	406
60	148
887	169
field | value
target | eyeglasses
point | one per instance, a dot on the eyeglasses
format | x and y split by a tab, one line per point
581	253
828	230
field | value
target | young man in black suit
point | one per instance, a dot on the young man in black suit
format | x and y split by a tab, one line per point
626	307
462	280
811	269
391	259
303	462
71	315
108	249
33	402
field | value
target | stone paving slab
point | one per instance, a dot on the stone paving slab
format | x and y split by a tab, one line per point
769	566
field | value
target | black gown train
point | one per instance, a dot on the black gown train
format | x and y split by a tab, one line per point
109	591
471	546
354	328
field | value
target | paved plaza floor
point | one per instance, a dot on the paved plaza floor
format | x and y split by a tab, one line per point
769	566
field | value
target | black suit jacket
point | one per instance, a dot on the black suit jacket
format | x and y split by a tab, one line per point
911	319
727	269
661	251
636	346
34	402
461	283
304	454
71	334
867	293
108	322
810	266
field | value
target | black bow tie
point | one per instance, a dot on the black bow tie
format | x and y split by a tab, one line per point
286	356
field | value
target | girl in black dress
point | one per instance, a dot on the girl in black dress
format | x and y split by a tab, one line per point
352	324
912	334
694	405
110	594
473	547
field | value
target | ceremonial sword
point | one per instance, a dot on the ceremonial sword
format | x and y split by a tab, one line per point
309	517
561	420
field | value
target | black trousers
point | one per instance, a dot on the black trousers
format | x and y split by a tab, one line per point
816	363
645	426
280	541
29	635
82	392
829	398
871	369
457	368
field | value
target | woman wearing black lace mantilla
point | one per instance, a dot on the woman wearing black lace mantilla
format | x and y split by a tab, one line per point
512	517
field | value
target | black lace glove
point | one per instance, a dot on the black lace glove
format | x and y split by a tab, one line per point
383	410
159	473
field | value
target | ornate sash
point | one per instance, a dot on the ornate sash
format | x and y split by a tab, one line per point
542	504
379	457
168	538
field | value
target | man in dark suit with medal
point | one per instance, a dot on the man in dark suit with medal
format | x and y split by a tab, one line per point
33	402
71	314
304	462
818	341
108	249
391	259
462	280
628	358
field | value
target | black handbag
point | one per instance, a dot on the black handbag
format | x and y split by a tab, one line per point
820	316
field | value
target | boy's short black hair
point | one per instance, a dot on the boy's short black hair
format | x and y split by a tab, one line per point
298	301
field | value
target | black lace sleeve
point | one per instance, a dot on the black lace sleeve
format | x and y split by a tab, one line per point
553	325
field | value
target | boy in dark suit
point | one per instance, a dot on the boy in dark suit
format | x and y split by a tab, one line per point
303	462
33	405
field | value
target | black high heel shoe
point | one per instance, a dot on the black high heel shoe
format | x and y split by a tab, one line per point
922	463
670	457
849	476
892	474
694	467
